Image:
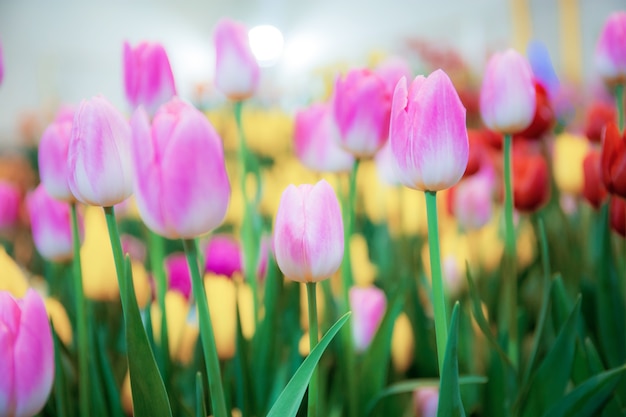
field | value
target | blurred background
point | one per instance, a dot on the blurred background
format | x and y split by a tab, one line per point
65	50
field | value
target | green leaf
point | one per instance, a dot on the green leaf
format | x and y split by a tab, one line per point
548	384
290	398
411	385
60	388
589	397
450	404
149	394
200	401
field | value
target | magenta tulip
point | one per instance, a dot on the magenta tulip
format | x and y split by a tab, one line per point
308	232
368	307
610	55
100	171
315	143
428	134
10	198
178	275
181	184
52	155
361	106
26	355
507	95
223	256
51	224
236	69
148	79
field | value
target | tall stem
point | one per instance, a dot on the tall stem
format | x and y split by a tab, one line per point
619	104
206	332
510	253
118	254
81	318
314	382
439	298
157	253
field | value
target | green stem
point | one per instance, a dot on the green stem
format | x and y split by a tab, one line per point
510	253
157	254
314	382
619	101
81	318
439	298
118	254
206	332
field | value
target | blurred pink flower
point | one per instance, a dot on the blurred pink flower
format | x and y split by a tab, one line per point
426	402
368	305
181	184
223	256
52	155
178	275
26	355
10	197
610	54
473	199
391	70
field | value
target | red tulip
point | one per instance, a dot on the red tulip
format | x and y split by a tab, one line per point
613	160
531	185
543	119
598	116
593	188
617	215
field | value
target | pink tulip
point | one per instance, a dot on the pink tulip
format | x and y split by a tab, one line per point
181	184
368	308
391	70
100	170
428	133
223	256
426	402
361	106
178	274
236	68
148	78
52	155
10	198
610	55
507	95
473	199
308	232
315	144
26	355
51	224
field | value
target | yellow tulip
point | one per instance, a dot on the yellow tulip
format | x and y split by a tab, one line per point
304	306
363	271
402	344
141	282
60	321
245	302
99	275
569	153
222	299
187	345
12	278
177	309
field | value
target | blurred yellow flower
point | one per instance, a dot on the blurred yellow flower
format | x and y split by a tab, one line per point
402	344
12	278
245	302
304	306
222	299
141	282
177	310
60	321
187	345
363	271
98	265
569	153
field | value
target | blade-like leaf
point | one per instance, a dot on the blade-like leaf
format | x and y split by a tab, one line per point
450	404
290	398
149	394
200	401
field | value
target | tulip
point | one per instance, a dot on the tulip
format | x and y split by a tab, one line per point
60	320
98	265
314	141
593	187
428	133
178	274
181	184
543	118
391	70
148	78
177	312
617	215
222	298
599	114
52	156
473	200
51	225
308	232
402	344
12	278
236	69
368	307
531	183
100	171
568	155
477	152
360	107
507	95
610	54
613	160
426	402
10	198
27	355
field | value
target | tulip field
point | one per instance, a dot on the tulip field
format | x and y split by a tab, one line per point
401	247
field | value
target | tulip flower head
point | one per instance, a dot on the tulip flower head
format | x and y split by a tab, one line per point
428	134
99	164
593	187
10	198
599	114
52	156
181	184
610	54
507	95
178	275
308	232
613	160
148	78
223	256
236	69
473	199
531	181
314	141
617	215
368	305
361	106
26	355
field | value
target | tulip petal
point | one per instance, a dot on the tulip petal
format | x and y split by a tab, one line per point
289	229
9	327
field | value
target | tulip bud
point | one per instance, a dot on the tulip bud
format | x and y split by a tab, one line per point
12	278
593	187
426	402
368	307
569	153
308	232
177	310
52	156
473	200
507	95
236	69
10	198
99	164
617	215
314	141
148	78
531	181
543	118
599	114
360	106
26	355
428	133
222	299
178	275
51	225
181	184
613	160
402	344
60	320
610	54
